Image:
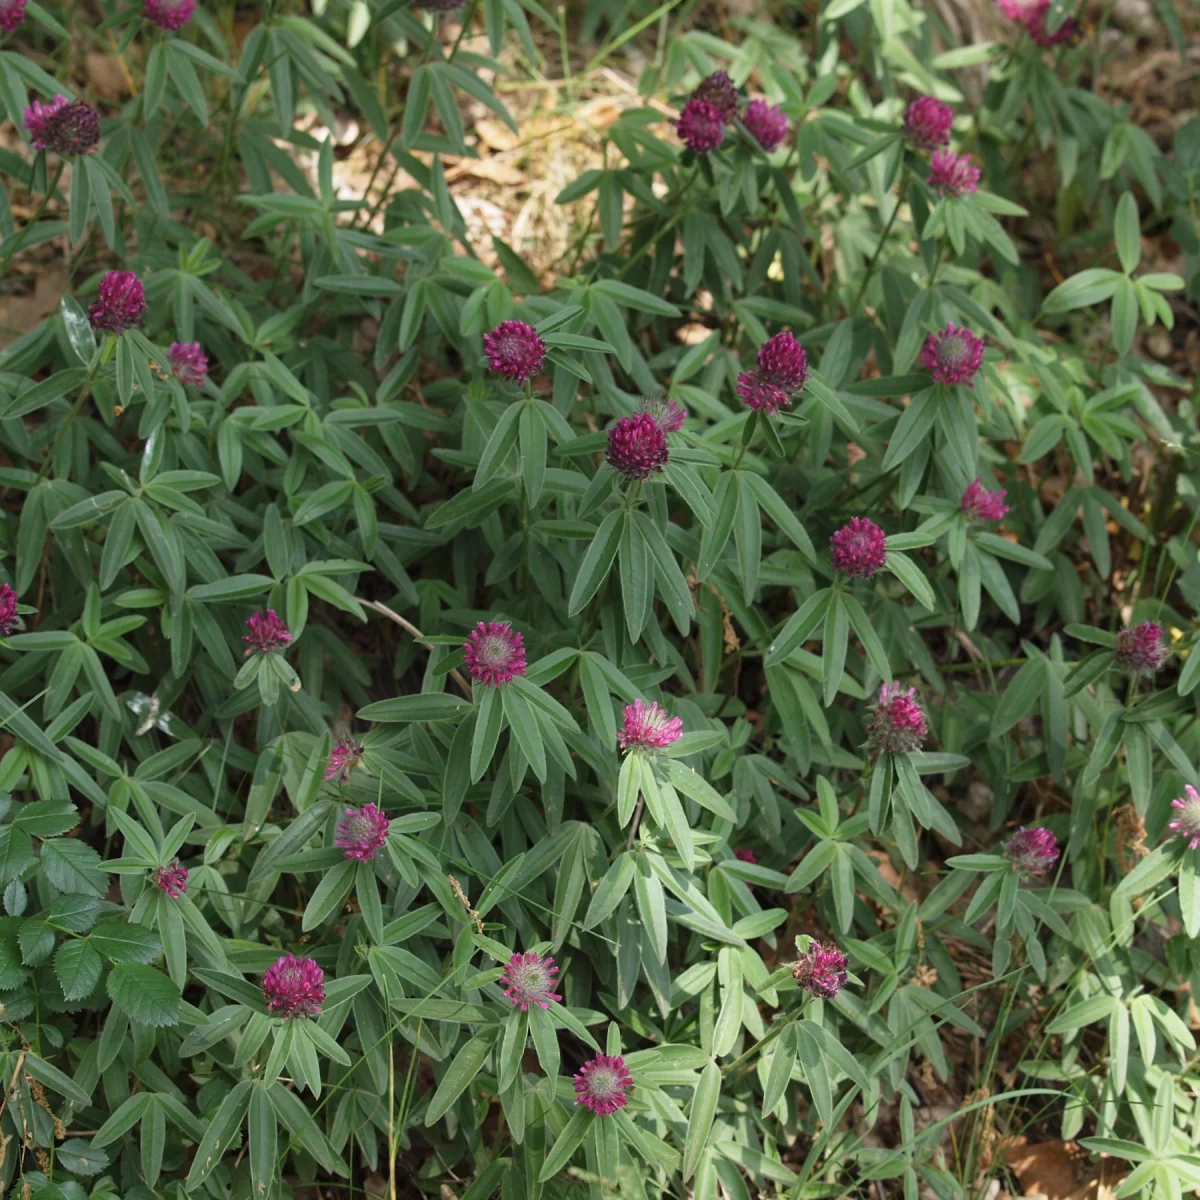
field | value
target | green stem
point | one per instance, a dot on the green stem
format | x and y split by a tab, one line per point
883	237
375	208
766	1039
80	400
18	238
662	233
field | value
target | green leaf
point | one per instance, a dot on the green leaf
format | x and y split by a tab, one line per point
1128	233
800	627
219	1133
264	1141
567	1143
596	562
611	890
466	1065
632	297
77	967
700	1118
124	942
912	577
425	707
147	995
1020	698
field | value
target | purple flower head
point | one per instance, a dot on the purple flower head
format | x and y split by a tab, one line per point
603	1084
122	303
897	723
648	727
8	610
362	832
760	393
701	126
64	127
717	89
1187	823
1034	16
667	414
927	122
169	14
514	350
494	653
783	361
1142	649
858	549
343	758
171	879
294	987
265	632
821	970
981	505
1032	851
637	446
953	355
528	979
188	363
765	123
12	13
746	856
953	174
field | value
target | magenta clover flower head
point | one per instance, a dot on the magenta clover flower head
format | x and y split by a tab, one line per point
897	723
188	363
8	610
648	727
701	126
718	90
122	303
169	14
64	127
953	355
1187	823
1033	15
760	393
265	632
667	413
982	505
765	123
528	979
514	350
294	987
746	856
784	362
494	653
343	758
171	879
362	832
1142	649
603	1084
1032	851
927	122
858	549
821	970
12	13
953	174
637	446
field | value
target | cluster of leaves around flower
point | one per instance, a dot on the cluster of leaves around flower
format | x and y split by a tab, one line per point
662	848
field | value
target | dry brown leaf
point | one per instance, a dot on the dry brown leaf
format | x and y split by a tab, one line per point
495	170
495	135
1061	1171
107	76
20	314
